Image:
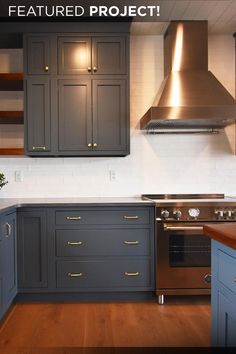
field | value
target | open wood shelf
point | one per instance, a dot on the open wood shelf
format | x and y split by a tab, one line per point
12	151
11	81
11	117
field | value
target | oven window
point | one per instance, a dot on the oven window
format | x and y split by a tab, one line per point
189	251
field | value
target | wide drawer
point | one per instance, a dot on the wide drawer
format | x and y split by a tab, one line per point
227	270
105	242
103	274
103	217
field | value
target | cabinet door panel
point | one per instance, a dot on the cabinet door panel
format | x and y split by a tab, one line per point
110	115
38	55
74	55
10	258
38	115
32	250
227	322
75	119
109	55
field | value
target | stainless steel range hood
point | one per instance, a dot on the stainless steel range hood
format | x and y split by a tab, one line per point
190	97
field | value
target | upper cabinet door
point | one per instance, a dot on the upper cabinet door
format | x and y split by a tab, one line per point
74	55
38	115
38	55
110	115
109	55
75	116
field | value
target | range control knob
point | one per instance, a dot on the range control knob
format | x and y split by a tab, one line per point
228	213
194	212
219	213
177	214
165	214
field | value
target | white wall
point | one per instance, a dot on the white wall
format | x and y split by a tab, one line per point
157	164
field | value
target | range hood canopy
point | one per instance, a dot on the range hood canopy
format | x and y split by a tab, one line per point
190	95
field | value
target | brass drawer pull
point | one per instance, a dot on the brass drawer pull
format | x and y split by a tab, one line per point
74	275
46	68
131	242
131	274
131	217
89	69
73	218
39	147
79	243
95	69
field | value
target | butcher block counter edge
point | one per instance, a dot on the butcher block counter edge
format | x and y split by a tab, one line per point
224	233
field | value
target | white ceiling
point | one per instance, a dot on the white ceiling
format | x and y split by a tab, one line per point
221	15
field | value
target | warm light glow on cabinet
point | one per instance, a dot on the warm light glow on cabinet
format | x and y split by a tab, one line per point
81	57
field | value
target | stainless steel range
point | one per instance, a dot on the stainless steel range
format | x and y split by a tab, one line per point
183	253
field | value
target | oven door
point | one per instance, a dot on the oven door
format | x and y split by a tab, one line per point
183	257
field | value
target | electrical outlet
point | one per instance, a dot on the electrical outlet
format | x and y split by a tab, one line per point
112	174
18	176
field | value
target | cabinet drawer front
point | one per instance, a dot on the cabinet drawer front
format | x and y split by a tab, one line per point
227	270
103	274
102	217
115	242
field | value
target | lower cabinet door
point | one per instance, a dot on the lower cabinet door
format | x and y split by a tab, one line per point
32	250
10	271
226	331
105	274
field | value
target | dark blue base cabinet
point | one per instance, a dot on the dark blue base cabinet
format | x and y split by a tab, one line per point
8	269
86	250
223	295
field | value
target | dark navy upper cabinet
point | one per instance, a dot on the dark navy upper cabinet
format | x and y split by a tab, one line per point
75	115
109	55
80	107
74	55
38	115
109	100
8	262
92	55
37	56
32	250
223	295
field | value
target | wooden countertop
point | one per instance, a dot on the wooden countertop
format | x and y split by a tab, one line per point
224	233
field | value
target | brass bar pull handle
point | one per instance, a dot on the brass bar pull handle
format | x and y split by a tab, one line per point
46	68
131	242
73	218
74	275
79	243
8	229
39	147
131	274
131	217
183	228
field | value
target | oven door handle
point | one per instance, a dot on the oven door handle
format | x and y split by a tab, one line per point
182	228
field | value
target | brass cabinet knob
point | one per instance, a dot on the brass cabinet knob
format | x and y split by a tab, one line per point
89	145
89	69
95	145
46	68
95	69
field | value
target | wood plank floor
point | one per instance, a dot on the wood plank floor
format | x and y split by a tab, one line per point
42	328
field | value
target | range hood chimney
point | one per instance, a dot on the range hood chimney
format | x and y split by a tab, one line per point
190	96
